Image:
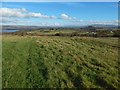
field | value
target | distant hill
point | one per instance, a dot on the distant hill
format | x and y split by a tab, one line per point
105	26
21	27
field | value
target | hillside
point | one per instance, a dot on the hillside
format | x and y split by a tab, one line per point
46	61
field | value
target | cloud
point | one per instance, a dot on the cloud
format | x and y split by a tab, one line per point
14	21
76	21
7	20
57	24
8	12
53	17
21	13
104	22
66	17
22	16
36	15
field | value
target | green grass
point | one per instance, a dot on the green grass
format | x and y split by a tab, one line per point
50	32
44	61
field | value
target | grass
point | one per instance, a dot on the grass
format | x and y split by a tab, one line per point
50	32
46	61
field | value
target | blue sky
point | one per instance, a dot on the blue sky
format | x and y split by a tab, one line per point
60	0
59	13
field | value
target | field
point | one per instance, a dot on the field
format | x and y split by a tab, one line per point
53	61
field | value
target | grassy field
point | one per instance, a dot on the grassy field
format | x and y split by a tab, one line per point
51	61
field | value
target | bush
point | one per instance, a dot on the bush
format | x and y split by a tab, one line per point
116	33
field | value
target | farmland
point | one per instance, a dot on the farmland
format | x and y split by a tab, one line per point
61	62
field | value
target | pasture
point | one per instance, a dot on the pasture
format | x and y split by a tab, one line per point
61	62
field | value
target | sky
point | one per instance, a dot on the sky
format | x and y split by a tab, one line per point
59	13
60	0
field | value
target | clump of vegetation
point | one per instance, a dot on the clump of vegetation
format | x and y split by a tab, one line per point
116	33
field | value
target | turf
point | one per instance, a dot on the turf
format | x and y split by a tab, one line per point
49	61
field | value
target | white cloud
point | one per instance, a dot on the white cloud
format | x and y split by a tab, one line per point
21	13
7	20
8	12
36	15
53	17
22	16
106	22
66	17
57	24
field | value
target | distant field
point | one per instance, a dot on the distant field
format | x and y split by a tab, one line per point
47	61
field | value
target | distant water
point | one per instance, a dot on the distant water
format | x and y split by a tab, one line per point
8	31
